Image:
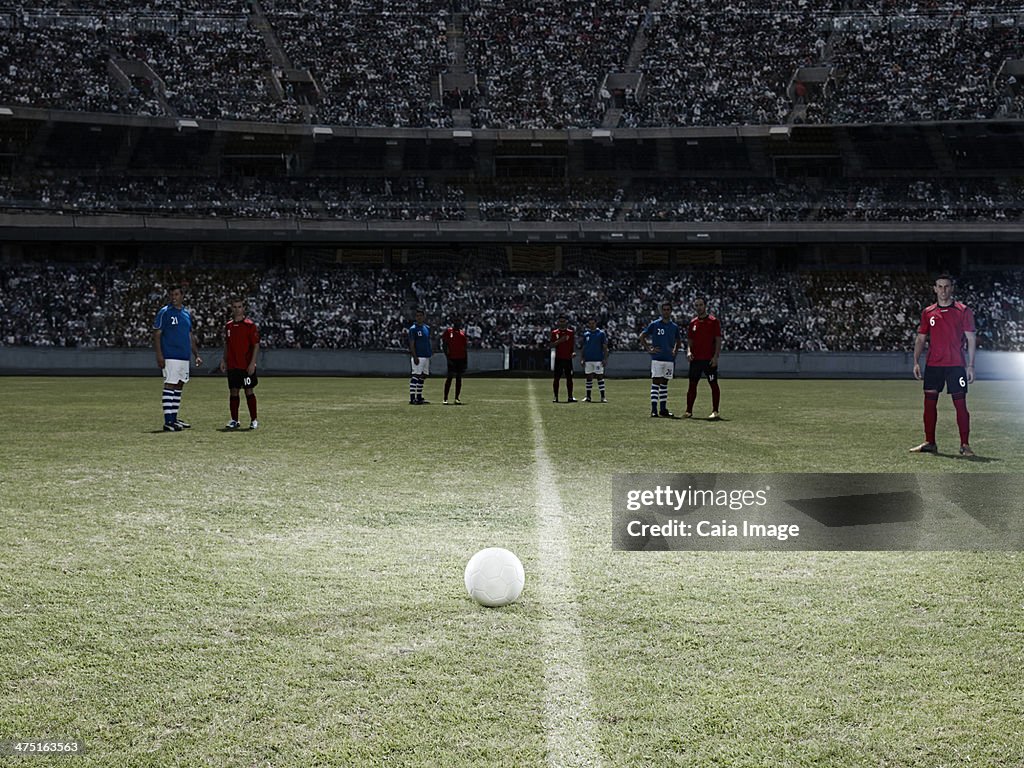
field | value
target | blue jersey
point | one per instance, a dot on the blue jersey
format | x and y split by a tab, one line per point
593	345
419	337
175	326
663	337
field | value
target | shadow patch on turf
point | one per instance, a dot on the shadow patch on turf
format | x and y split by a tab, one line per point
862	509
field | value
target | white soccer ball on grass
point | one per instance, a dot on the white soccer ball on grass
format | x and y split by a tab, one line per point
494	577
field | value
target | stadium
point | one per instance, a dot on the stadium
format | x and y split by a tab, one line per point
293	594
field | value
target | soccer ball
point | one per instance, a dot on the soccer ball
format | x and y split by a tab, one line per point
494	577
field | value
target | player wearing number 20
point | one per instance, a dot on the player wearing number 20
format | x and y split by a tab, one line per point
241	348
945	325
662	339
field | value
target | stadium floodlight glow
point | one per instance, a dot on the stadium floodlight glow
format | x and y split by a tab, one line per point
1016	367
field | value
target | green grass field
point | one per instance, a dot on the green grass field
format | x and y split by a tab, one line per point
293	596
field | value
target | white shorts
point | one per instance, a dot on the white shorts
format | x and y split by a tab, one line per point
662	369
594	366
175	371
422	368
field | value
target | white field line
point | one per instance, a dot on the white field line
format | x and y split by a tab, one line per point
569	724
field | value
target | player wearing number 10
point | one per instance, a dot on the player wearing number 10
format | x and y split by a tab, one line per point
241	348
945	325
704	334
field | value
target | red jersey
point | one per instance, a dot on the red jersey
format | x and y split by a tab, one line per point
241	339
945	328
566	343
701	334
454	343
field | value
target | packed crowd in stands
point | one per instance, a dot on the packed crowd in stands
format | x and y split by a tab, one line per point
721	200
925	200
216	69
377	199
541	65
417	198
904	75
99	305
581	200
536	65
847	312
376	62
723	67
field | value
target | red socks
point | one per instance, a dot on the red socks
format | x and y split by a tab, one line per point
931	415
963	418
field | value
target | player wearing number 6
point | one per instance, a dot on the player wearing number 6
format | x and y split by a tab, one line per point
241	348
945	325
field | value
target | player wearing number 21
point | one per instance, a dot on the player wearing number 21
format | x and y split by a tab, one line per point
241	348
175	345
945	325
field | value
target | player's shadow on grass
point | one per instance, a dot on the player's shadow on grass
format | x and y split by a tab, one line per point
969	459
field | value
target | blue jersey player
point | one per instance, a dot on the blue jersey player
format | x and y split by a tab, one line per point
175	345
595	357
419	352
662	340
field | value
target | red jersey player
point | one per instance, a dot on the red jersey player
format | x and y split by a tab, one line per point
563	341
241	348
453	342
945	325
704	345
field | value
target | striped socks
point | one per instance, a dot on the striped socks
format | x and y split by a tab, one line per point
171	401
659	396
